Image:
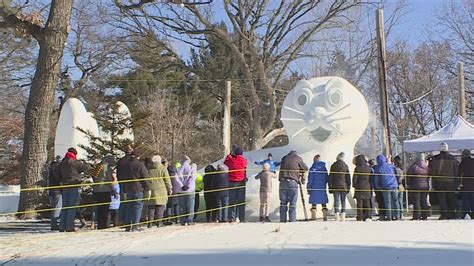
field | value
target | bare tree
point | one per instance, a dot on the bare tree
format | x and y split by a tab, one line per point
51	37
455	25
95	46
266	38
422	96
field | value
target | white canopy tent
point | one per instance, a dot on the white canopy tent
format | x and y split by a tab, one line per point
459	134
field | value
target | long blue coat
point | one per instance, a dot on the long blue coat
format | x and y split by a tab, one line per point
317	183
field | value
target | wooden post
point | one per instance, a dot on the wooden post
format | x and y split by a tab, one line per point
226	124
462	91
382	71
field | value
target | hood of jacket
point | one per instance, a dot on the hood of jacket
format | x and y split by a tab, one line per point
360	160
381	159
319	165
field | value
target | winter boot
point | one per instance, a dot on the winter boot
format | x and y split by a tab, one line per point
267	220
313	214
343	216
262	219
337	217
325	214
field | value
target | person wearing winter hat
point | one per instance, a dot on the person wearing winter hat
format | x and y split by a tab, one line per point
186	183
69	173
237	165
418	180
317	186
102	176
445	172
269	160
291	176
339	184
55	198
135	189
265	176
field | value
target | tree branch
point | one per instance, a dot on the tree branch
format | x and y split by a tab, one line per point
25	25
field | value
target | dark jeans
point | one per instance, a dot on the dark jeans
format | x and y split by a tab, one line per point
447	204
113	216
390	198
56	201
468	203
102	198
288	196
210	201
155	214
71	198
186	206
222	203
237	196
339	199
133	209
380	203
363	209
172	212
420	204
197	199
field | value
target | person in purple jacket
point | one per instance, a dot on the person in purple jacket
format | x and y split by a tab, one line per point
186	184
418	180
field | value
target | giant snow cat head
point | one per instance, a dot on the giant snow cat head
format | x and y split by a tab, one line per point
322	111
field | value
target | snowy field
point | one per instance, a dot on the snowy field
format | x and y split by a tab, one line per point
304	243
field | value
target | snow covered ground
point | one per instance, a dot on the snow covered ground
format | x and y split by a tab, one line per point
303	243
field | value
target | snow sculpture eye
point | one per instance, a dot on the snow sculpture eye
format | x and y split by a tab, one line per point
303	97
303	93
334	97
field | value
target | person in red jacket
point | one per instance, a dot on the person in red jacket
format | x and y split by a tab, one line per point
237	165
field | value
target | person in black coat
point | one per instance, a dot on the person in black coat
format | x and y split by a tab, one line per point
209	194
466	170
221	185
445	172
69	173
54	194
362	182
339	184
136	189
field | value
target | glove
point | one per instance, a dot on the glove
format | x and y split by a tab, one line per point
184	188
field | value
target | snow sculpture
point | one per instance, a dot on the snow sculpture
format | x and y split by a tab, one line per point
73	115
326	116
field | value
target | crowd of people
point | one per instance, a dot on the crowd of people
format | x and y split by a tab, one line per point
153	190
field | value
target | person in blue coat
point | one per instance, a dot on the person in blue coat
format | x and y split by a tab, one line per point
269	160
386	179
317	186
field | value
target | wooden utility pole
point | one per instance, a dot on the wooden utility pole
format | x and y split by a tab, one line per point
382	70
462	90
226	124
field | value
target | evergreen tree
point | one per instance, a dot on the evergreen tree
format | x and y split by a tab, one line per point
114	125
